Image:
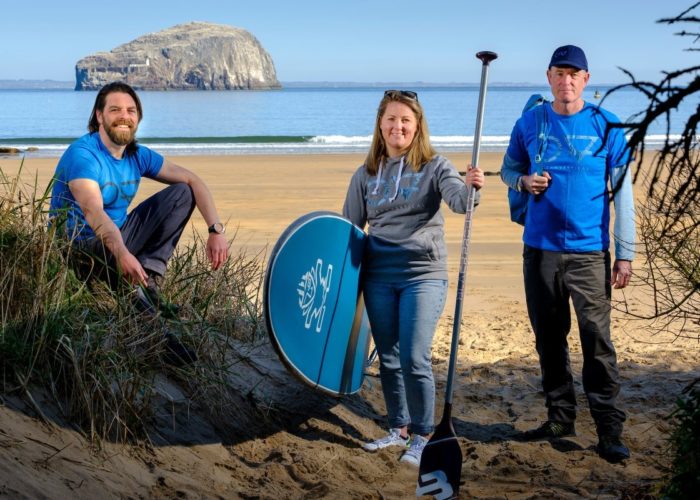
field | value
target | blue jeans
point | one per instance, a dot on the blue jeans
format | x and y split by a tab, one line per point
403	317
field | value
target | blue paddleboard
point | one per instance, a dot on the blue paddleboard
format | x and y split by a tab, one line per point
312	302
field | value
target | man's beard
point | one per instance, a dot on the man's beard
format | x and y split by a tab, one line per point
121	136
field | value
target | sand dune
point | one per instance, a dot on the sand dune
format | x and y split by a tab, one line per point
308	445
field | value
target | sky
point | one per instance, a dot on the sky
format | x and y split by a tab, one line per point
366	40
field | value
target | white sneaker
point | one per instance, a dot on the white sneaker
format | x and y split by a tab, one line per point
393	439
414	452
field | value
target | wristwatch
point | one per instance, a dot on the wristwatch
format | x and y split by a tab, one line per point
217	228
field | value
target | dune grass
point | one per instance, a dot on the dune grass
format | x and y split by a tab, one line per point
86	347
684	479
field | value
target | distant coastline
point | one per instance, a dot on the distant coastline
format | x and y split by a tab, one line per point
385	85
23	84
35	85
56	84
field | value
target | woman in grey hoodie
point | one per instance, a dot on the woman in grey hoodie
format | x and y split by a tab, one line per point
398	192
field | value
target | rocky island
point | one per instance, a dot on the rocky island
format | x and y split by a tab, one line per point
192	56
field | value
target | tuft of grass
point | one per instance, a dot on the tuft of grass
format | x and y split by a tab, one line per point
86	345
685	446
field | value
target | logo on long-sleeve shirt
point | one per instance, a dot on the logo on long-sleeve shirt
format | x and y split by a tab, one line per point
576	147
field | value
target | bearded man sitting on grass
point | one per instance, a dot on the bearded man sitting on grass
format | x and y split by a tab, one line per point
95	181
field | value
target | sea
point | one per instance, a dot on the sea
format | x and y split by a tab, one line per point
297	119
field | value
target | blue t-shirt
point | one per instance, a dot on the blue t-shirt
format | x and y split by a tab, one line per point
88	158
573	214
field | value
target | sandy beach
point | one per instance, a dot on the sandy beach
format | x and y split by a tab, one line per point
310	448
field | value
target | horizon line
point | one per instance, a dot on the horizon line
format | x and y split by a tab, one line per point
34	83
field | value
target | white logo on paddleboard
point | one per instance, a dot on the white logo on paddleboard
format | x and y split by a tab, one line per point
435	484
313	289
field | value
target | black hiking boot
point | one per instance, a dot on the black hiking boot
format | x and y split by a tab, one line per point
612	449
548	430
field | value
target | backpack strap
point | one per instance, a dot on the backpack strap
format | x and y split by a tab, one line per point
542	134
518	200
539	101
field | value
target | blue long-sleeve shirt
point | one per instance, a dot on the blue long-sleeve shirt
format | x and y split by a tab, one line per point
585	163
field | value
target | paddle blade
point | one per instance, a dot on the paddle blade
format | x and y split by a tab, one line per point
441	463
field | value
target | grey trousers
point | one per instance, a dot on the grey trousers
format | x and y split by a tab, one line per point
551	280
151	232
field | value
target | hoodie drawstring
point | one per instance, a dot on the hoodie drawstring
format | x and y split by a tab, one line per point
379	178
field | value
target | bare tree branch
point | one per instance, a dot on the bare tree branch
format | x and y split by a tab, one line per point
669	217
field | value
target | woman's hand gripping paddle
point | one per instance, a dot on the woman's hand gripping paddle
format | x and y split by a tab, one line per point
441	461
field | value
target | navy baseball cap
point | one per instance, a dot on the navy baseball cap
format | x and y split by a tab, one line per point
569	55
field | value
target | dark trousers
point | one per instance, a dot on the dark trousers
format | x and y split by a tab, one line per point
551	280
151	232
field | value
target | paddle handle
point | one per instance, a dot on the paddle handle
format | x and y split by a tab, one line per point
486	57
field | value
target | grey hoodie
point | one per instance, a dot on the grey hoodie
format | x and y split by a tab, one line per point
402	207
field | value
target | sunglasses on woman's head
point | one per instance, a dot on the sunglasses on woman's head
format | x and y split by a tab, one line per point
408	94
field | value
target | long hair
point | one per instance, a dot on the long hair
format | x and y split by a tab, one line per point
419	152
100	101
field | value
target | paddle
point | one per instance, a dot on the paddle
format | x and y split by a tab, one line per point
441	461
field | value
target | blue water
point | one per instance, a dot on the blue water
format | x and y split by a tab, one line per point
291	120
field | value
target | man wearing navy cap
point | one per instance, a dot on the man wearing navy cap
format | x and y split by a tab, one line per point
571	162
